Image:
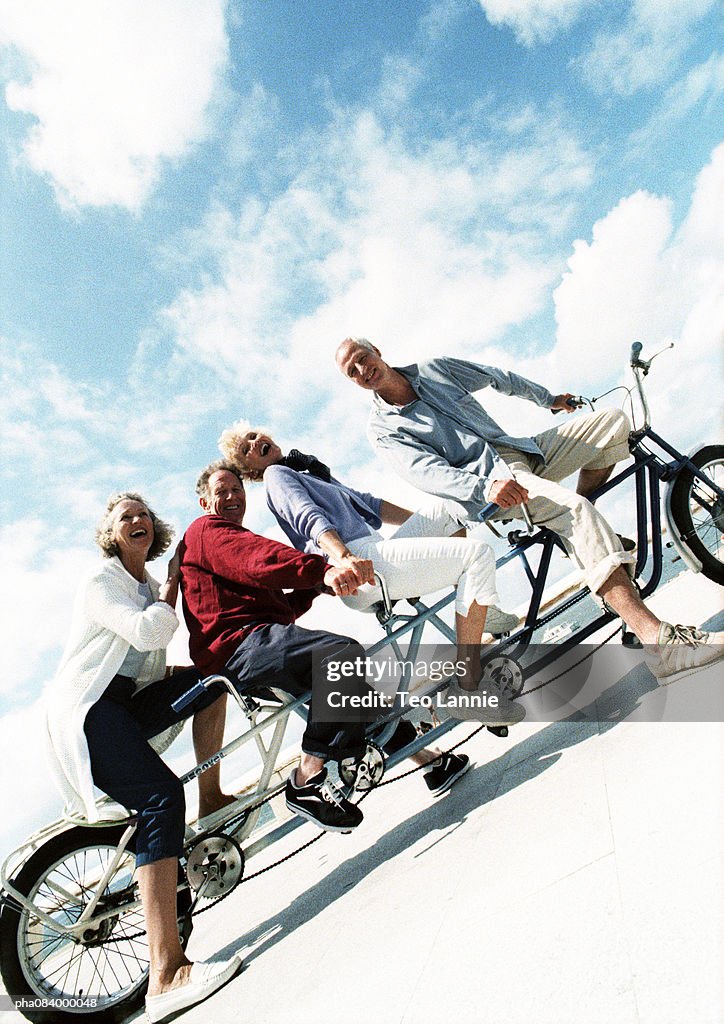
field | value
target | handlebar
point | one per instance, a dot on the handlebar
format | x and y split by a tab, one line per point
196	691
491	508
575	402
641	369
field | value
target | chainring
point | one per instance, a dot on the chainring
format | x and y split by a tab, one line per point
366	773
215	866
506	673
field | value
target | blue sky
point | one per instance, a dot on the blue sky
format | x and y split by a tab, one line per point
200	199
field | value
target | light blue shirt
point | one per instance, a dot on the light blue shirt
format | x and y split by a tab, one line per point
444	442
306	507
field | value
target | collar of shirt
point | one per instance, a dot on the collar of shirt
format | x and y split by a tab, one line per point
410	373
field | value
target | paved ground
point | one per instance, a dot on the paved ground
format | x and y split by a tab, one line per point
574	875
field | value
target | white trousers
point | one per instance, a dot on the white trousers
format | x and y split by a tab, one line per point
421	557
584	442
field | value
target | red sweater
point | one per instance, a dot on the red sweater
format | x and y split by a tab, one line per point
233	580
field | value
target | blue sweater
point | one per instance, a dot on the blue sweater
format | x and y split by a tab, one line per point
306	507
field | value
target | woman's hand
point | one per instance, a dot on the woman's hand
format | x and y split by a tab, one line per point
363	569
342	582
168	591
174	565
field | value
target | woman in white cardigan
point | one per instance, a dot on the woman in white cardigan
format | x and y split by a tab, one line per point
111	694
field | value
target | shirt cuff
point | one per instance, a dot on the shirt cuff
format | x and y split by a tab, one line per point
500	471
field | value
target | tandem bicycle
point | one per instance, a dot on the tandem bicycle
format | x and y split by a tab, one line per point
71	922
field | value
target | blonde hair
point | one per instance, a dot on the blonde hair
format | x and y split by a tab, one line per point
230	444
162	532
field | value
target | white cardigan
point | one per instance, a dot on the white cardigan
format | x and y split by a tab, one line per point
108	617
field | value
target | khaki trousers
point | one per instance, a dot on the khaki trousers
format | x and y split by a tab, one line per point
583	442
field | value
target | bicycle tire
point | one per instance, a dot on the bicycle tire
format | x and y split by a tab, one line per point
37	963
698	514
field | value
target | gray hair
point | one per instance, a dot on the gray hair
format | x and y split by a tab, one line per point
362	342
202	484
162	532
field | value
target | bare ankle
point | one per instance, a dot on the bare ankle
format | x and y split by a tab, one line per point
207	804
166	978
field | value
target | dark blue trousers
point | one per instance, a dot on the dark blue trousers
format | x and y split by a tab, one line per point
289	658
117	728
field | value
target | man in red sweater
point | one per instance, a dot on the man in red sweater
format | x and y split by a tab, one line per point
241	596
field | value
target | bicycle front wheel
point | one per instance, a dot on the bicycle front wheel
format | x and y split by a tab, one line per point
98	974
698	511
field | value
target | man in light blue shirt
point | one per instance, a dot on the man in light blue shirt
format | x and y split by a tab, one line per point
427	424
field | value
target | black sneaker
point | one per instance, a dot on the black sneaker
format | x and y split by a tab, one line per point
445	772
320	801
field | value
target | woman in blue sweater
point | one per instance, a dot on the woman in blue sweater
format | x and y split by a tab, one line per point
320	514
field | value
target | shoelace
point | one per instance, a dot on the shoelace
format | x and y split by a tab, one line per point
689	635
330	793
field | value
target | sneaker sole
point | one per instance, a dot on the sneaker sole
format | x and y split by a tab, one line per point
681	674
450	782
325	828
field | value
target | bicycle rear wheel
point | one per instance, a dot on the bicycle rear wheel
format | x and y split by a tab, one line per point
698	511
100	974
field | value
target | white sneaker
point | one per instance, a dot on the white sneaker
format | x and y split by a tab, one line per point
498	622
681	650
204	979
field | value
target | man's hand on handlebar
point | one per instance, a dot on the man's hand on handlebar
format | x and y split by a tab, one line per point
507	493
566	403
342	582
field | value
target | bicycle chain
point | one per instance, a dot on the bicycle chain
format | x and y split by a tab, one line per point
397	778
533	689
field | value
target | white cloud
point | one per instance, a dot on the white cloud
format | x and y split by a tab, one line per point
696	94
704	82
533	21
639	280
41	567
57	425
611	293
114	88
416	242
645	50
29	798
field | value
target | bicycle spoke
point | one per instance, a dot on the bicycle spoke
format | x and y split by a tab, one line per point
58	963
39	961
